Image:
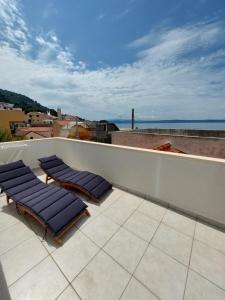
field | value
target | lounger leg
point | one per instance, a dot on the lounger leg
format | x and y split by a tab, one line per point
87	213
46	179
58	240
7	199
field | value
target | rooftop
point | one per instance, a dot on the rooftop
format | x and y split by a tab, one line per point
129	248
35	129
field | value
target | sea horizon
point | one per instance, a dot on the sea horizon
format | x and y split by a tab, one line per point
172	124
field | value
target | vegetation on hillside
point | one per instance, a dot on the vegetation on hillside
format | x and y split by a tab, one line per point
24	102
5	136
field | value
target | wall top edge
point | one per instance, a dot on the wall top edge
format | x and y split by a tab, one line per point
110	146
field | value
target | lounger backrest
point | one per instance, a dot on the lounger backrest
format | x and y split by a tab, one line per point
14	174
52	164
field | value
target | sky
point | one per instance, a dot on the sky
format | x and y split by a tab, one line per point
98	59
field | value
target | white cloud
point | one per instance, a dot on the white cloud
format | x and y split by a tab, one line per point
122	14
100	16
169	79
50	10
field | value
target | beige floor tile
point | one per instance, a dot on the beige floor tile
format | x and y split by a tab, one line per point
199	288
107	200
136	291
13	236
152	210
126	248
43	282
208	262
100	230
173	243
129	200
210	236
86	220
102	279
48	241
17	261
164	276
74	254
3	202
141	225
8	216
118	212
68	294
110	198
179	222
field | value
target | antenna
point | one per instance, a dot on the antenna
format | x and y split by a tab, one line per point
132	119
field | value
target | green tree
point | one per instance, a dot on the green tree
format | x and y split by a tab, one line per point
5	136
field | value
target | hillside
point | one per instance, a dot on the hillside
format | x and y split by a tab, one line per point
24	102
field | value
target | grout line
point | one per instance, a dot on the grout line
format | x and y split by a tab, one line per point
209	246
102	249
164	252
213	283
9	226
62	292
148	244
50	255
29	270
19	243
188	267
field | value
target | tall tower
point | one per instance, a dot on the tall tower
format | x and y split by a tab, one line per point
59	113
132	118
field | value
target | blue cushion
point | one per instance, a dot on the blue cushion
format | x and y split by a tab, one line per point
54	205
48	158
92	183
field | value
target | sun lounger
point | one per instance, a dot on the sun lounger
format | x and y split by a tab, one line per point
55	208
94	186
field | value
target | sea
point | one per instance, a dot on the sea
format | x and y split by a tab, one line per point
210	125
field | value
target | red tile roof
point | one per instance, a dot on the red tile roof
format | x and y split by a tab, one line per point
35	129
63	122
167	147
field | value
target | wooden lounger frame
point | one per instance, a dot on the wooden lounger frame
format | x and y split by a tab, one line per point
56	237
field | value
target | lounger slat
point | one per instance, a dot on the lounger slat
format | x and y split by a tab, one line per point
30	191
57	169
85	180
23	187
66	176
66	172
56	206
43	192
44	203
17	181
52	164
11	166
75	177
49	158
58	221
14	173
103	187
93	183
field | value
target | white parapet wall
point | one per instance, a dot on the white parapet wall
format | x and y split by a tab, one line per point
27	150
190	183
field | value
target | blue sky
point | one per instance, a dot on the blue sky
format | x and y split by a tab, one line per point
98	59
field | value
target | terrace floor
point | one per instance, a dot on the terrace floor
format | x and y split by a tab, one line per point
129	249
